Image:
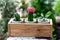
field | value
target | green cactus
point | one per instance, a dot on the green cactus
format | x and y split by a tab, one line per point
17	17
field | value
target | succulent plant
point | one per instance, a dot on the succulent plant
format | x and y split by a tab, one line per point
17	17
48	14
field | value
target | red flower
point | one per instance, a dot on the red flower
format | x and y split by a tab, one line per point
30	9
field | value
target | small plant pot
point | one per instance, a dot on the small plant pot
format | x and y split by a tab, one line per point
44	21
26	20
14	21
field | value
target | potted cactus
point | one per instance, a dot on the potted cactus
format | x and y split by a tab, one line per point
16	18
30	11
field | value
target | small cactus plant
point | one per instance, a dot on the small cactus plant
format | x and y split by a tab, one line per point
17	17
30	13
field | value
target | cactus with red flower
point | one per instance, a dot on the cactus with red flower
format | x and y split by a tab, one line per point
30	11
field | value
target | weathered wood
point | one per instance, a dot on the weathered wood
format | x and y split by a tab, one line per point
30	29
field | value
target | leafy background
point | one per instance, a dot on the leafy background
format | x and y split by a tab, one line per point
57	8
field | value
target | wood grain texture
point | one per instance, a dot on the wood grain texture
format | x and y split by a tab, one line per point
29	29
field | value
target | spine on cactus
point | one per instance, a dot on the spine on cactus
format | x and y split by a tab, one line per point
30	11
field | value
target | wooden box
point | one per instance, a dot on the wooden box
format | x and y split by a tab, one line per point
30	29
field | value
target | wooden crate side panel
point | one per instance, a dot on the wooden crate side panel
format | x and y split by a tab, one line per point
29	30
